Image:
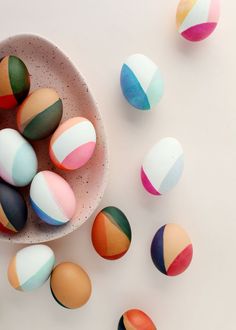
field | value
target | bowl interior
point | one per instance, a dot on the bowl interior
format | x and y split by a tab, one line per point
49	67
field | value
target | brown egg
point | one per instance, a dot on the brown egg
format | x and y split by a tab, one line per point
70	285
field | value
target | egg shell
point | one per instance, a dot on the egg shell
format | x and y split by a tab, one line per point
197	19
73	143
31	267
70	285
13	209
40	114
141	82
14	82
171	250
163	166
136	319
18	161
52	198
111	233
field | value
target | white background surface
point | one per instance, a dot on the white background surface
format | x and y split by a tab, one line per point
198	108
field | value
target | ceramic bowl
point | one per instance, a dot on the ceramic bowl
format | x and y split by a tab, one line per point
50	67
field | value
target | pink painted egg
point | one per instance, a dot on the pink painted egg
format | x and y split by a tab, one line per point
197	19
52	198
73	143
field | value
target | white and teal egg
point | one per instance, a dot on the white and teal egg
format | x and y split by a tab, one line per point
141	82
30	268
18	161
163	166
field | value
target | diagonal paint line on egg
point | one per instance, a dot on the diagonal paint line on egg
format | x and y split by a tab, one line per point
197	15
38	278
73	138
160	160
8	154
4	220
179	241
27	263
45	200
60	195
5	85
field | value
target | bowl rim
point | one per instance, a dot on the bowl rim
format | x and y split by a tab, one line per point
102	130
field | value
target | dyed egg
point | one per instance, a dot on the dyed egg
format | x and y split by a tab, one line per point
52	198
141	82
31	267
40	114
134	319
197	19
70	285
73	143
14	82
171	250
18	161
163	166
13	209
111	233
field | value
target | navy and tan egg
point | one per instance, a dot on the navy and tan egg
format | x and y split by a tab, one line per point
18	161
14	82
70	285
31	267
40	114
13	210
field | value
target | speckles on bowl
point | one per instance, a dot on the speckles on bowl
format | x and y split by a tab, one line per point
49	67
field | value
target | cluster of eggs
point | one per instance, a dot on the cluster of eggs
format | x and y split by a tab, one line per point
38	116
31	267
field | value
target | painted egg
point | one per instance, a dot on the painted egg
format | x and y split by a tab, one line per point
31	267
18	161
141	82
197	19
111	233
40	114
171	250
136	320
13	209
163	166
70	285
14	82
73	143
52	198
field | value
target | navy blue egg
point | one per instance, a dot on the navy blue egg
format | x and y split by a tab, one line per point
13	209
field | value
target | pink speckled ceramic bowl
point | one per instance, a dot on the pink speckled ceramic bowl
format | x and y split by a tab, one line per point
49	67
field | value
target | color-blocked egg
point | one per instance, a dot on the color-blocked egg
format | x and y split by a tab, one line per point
197	19
31	267
171	250
73	143
163	166
141	82
40	114
18	161
70	285
14	82
13	209
52	198
111	233
135	319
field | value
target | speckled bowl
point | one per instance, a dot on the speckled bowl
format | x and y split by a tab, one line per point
49	67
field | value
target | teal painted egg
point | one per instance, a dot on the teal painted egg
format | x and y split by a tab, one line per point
141	82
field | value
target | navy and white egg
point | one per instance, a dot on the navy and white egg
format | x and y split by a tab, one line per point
141	82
